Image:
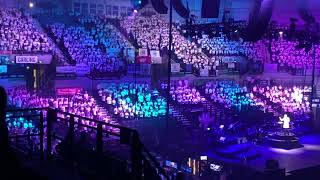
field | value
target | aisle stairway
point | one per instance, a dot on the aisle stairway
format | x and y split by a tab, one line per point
184	121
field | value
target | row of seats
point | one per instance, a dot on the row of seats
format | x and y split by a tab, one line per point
19	32
83	48
130	100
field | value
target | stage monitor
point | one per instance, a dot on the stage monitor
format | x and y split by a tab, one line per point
171	164
203	158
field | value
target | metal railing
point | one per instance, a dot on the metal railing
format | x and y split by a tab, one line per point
142	164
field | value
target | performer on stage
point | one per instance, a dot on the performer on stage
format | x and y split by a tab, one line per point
285	121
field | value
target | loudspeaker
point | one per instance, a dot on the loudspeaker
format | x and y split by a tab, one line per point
210	8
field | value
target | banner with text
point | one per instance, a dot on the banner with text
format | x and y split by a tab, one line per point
80	69
26	59
68	91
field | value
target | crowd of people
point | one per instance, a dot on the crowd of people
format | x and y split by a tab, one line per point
152	32
222	46
105	33
83	48
19	32
291	99
287	53
231	95
81	104
130	100
183	93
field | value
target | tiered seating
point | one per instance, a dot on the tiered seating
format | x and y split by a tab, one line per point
231	94
286	53
292	99
18	32
83	48
129	100
183	93
105	33
222	46
79	104
153	33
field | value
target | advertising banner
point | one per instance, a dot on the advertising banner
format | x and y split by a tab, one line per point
66	69
143	60
80	69
26	59
68	91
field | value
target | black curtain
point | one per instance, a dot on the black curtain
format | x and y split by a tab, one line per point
180	8
210	8
159	6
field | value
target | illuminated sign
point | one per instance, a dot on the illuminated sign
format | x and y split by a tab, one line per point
68	91
26	59
3	69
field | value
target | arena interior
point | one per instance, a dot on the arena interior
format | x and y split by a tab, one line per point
160	89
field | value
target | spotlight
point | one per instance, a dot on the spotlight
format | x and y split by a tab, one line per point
31	5
135	11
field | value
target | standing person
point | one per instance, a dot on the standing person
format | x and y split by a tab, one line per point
285	121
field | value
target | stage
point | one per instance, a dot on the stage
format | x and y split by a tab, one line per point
178	144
